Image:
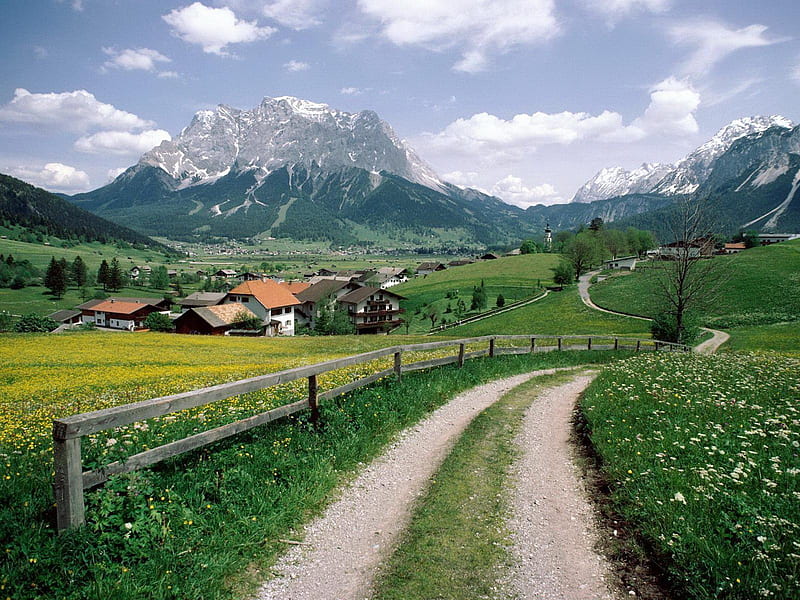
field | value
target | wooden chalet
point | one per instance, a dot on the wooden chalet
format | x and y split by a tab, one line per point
211	320
373	310
313	296
198	299
270	301
116	313
427	268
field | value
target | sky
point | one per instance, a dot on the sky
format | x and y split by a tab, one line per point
524	99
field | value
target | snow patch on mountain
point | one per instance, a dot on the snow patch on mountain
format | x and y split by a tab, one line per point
616	181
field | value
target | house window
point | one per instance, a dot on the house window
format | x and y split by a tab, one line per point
287	310
244	299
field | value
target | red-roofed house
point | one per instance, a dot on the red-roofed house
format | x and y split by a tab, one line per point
269	301
119	314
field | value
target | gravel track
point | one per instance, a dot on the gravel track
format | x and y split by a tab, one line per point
552	522
343	548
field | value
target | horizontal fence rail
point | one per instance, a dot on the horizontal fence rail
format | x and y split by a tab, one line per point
70	479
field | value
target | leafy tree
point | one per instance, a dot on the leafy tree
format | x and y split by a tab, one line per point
500	301
583	251
6	320
116	278
562	273
596	224
432	313
479	300
639	241
102	274
615	242
33	323
528	247
665	327
461	308
55	279
78	272
157	321
159	278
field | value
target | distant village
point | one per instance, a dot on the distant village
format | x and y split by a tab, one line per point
267	305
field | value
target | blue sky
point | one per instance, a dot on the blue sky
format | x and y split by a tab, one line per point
526	99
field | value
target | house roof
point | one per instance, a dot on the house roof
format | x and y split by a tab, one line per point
619	258
64	315
203	299
736	246
119	307
90	304
429	266
360	294
317	291
295	287
269	293
221	314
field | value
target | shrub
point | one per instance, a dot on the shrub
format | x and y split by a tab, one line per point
32	323
158	322
665	327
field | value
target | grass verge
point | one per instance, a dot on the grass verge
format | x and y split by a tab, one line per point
455	546
207	524
700	454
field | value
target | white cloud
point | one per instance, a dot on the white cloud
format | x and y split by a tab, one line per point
293	66
54	176
614	10
460	178
114	173
351	91
121	142
714	41
513	191
213	28
670	112
72	111
295	14
40	52
131	59
168	75
712	98
477	28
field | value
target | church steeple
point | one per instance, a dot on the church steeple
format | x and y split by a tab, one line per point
548	238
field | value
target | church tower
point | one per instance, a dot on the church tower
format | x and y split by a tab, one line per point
548	238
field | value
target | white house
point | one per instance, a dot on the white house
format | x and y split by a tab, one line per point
271	302
373	310
623	263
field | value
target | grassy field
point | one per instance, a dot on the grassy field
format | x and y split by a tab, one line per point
455	546
215	516
779	337
558	313
762	287
515	277
701	455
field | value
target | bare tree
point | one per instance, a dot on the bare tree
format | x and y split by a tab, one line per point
687	279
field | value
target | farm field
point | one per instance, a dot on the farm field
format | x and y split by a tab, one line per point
216	515
558	313
700	453
762	286
515	277
777	337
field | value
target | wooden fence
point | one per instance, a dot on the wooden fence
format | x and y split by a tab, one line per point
71	480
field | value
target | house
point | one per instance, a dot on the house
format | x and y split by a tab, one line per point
386	277
372	310
765	239
172	274
198	299
118	313
250	276
225	274
137	271
66	317
489	256
161	304
311	298
211	320
734	248
269	301
701	247
459	263
623	263
427	268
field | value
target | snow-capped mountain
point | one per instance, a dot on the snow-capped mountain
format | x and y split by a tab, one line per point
682	178
616	181
285	132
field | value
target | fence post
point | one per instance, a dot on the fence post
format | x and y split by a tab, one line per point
656	346
559	343
589	344
68	485
616	343
461	355
491	347
398	365
638	345
533	345
312	400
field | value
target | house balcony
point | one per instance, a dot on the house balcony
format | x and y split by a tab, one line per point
378	313
379	325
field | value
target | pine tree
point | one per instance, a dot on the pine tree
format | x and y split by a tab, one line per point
102	274
55	279
78	272
115	279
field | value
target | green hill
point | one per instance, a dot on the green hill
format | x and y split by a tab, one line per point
44	214
762	286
